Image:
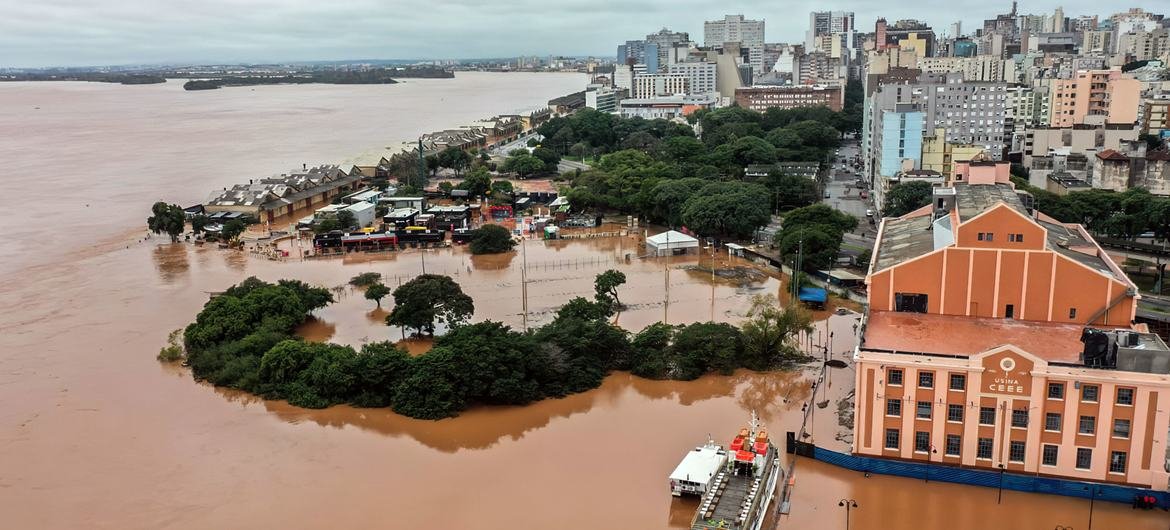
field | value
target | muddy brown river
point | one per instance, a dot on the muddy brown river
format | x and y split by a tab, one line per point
95	433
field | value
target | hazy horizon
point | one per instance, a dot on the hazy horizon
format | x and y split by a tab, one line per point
153	32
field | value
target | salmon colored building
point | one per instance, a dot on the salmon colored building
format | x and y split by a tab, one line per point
1095	97
971	352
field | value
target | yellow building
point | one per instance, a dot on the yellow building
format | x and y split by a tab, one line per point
940	156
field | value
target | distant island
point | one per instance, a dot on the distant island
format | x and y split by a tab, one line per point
381	76
125	79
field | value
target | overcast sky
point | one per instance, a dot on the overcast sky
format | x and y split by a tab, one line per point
100	32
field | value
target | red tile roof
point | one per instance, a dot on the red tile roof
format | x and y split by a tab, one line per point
1110	154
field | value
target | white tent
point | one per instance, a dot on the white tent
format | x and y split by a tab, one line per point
670	243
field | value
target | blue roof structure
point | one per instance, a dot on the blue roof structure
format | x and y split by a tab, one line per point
813	294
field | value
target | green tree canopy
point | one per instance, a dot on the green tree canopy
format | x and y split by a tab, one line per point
907	197
166	219
727	209
429	299
523	165
491	239
346	219
606	284
477	182
377	292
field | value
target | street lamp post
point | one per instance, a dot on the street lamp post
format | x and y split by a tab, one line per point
848	504
1092	498
999	499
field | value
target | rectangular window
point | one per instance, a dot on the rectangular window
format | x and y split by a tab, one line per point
921	441
990	236
1121	428
1072	313
923	410
1020	418
979	236
1087	425
958	382
1052	421
1084	458
892	438
954	444
1016	452
926	379
986	415
1055	390
894	407
983	450
894	377
1089	393
1048	456
1125	396
955	413
1117	462
1019	238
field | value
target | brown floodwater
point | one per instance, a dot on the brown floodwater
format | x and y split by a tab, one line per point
95	433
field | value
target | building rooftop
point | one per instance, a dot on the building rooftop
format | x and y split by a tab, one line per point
965	336
910	236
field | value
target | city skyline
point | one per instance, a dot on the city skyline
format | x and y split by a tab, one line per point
102	32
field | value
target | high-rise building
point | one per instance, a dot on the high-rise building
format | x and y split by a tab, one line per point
701	76
734	28
1095	97
654	85
830	23
666	40
639	52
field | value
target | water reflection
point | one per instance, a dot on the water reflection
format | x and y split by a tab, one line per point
492	262
485	426
236	260
316	330
170	260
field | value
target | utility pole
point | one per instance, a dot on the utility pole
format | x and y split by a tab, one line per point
666	269
524	281
712	281
422	164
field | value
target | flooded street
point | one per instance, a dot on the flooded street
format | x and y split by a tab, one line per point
95	433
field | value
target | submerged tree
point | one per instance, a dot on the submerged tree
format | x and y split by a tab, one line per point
377	292
419	303
606	285
769	334
491	239
166	218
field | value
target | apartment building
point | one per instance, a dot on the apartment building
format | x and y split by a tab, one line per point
1095	97
702	76
654	85
999	338
734	28
761	98
1155	112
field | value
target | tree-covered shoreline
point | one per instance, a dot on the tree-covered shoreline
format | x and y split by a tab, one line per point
244	339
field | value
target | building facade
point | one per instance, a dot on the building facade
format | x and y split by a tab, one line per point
972	355
761	98
654	85
701	76
1095	97
734	28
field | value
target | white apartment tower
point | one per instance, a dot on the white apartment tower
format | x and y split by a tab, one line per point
734	28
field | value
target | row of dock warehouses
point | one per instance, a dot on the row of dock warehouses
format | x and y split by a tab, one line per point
275	198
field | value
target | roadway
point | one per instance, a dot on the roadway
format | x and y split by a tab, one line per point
502	150
843	194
